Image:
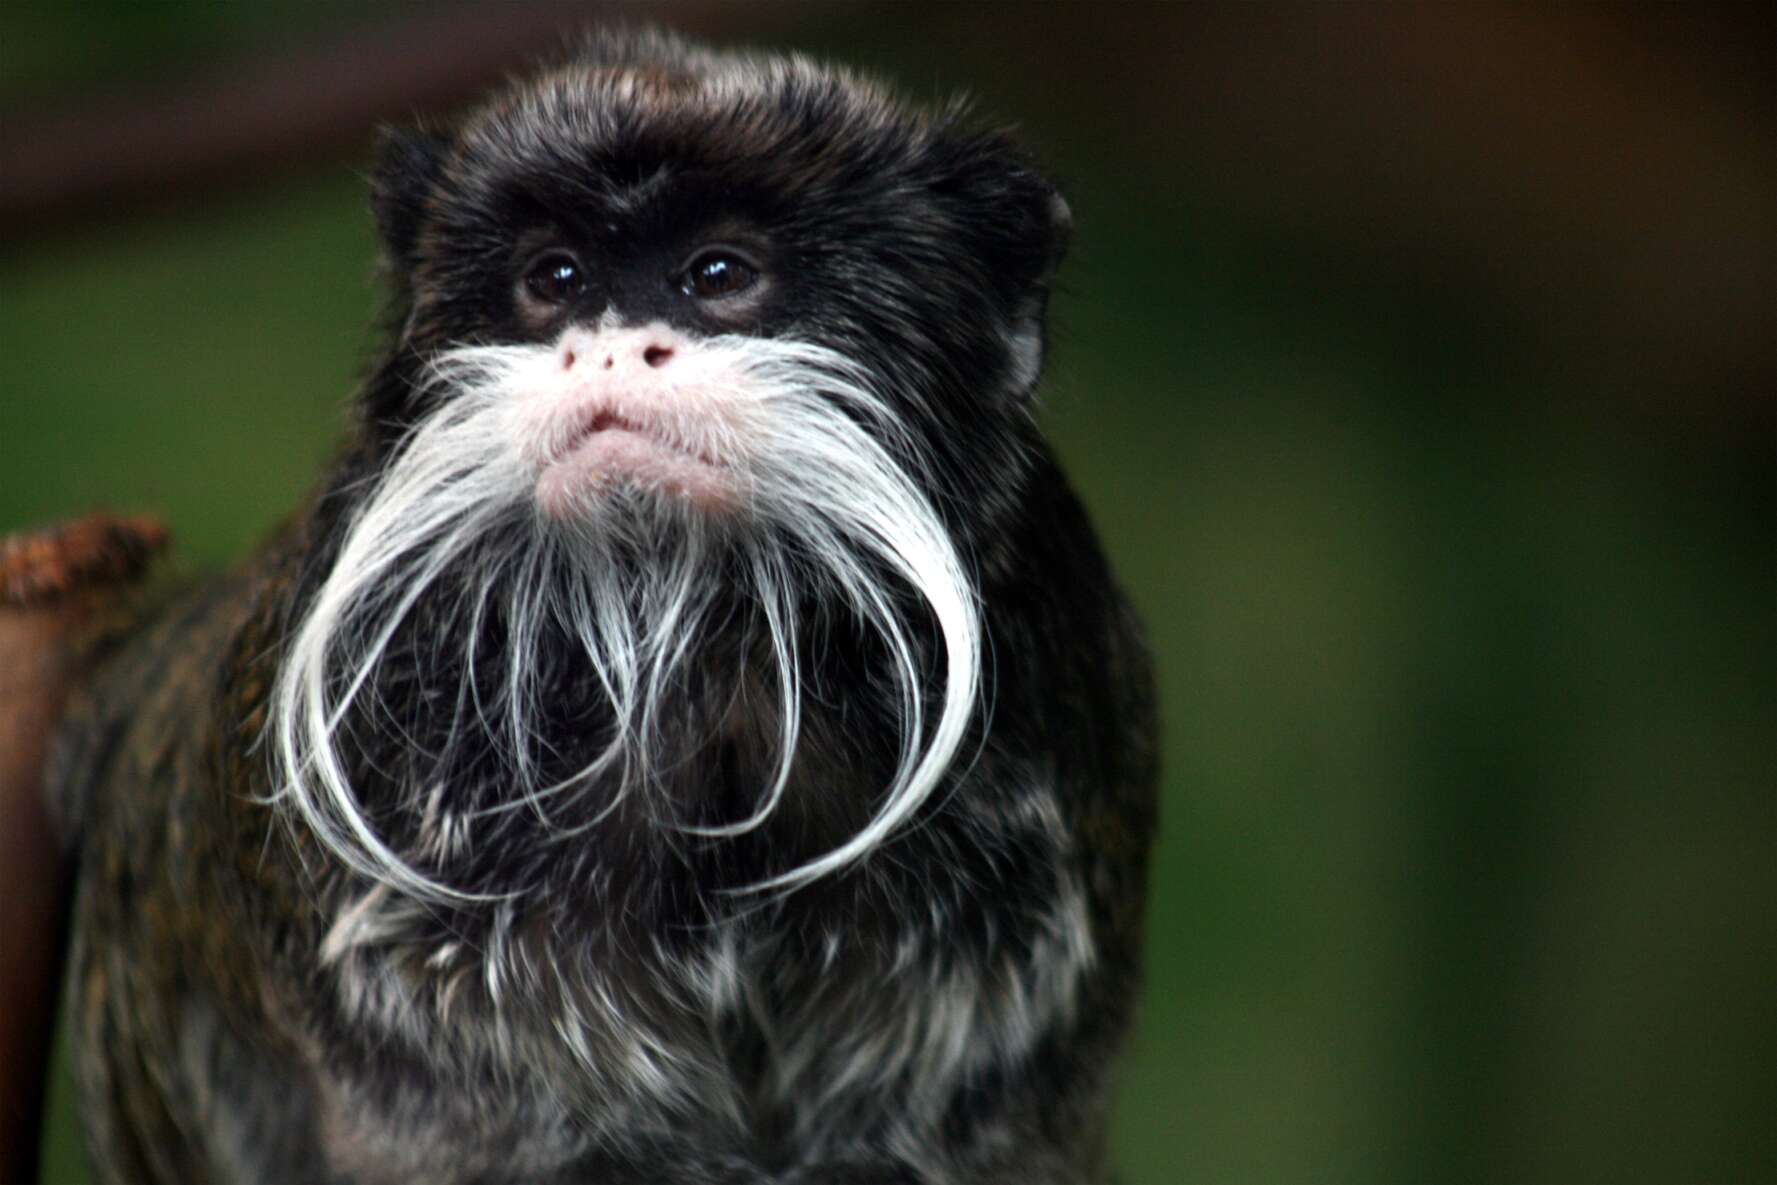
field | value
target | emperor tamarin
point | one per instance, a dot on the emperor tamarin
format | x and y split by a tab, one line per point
691	735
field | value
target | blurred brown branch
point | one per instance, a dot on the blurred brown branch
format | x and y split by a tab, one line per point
280	109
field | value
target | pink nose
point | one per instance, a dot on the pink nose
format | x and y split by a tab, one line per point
651	346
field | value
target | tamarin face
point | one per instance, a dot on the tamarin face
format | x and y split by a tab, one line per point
650	187
688	346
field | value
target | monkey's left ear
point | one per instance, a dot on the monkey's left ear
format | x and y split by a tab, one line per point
1028	331
1016	226
1061	229
409	162
1028	225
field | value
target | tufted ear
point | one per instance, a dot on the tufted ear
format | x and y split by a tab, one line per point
409	162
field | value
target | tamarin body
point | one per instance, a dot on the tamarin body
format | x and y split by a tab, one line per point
691	735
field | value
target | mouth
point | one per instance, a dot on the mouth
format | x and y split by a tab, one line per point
611	450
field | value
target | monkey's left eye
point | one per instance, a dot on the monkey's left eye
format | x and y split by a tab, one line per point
716	274
555	278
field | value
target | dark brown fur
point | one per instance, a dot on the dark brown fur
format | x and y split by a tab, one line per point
215	1042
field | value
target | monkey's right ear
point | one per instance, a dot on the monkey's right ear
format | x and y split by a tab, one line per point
409	162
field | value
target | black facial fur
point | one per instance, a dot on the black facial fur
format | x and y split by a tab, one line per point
927	243
609	1001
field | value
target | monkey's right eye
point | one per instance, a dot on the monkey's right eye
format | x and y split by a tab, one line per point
555	278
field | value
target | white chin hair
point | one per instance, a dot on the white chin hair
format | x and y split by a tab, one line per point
818	485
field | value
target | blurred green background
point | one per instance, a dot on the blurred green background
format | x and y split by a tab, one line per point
1417	364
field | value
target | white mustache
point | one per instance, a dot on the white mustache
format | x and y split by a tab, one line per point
834	497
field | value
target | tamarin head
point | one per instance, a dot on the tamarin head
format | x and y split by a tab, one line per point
693	355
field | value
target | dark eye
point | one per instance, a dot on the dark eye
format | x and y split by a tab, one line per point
716	274
555	278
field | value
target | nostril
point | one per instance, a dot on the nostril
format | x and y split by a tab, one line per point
608	361
567	359
657	355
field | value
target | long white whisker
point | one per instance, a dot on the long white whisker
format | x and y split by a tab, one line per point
835	510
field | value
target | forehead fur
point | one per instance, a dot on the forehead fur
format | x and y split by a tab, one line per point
650	97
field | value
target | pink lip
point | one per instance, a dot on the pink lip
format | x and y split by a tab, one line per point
615	448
